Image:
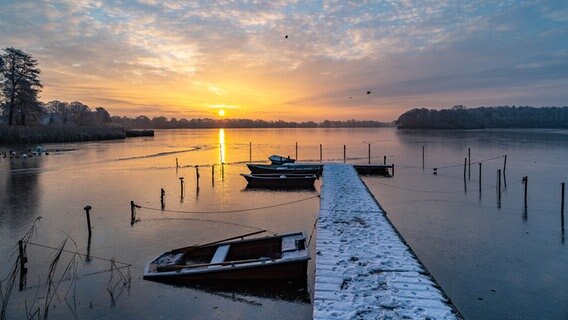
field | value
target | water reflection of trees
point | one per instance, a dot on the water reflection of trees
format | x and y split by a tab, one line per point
20	197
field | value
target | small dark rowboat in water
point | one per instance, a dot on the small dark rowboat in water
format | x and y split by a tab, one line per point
277	160
275	257
285	168
280	181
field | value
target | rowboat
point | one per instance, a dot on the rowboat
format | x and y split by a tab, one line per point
280	181
277	160
286	168
282	256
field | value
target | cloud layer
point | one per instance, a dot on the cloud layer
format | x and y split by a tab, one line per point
180	58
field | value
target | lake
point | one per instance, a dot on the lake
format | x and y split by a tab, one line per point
494	259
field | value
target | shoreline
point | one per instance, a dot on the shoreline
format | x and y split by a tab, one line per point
33	135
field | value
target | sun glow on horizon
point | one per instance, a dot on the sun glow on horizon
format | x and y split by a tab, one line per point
221	112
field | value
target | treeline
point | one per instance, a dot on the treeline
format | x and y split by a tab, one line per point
460	117
143	122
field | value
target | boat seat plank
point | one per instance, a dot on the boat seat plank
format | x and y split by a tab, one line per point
220	254
289	242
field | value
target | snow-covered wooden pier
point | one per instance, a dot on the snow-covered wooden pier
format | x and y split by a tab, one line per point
364	269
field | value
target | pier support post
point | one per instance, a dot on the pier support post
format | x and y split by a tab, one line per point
223	171
213	174
162	198
369	153
177	164
344	153
296	151
384	160
321	153
250	152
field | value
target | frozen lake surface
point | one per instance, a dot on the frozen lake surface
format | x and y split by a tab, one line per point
493	262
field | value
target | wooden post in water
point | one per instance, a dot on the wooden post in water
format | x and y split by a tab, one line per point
384	160
181	183
162	198
250	151
223	171
562	206
369	153
132	212
22	259
499	186
88	212
469	163
177	163
526	183
464	168
321	153
393	169
422	157
213	174
505	168
480	177
296	151
344	153
197	176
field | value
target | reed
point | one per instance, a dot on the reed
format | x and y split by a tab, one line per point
48	134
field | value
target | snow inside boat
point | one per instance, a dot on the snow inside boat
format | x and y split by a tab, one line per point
274	257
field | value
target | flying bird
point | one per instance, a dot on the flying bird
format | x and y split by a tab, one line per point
286	37
350	97
368	92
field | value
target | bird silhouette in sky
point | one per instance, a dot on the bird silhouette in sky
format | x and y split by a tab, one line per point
350	97
286	37
368	92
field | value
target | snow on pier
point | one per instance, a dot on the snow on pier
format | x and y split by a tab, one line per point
364	269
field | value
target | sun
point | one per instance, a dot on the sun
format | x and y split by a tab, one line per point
221	112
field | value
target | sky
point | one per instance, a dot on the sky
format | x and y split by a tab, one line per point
190	59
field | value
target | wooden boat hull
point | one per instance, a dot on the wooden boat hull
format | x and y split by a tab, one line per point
276	258
274	271
280	181
374	169
284	169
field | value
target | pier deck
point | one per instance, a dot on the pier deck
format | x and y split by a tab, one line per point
364	269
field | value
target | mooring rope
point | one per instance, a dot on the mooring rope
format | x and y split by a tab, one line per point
232	211
81	254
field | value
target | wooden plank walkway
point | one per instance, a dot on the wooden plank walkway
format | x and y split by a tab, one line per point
364	269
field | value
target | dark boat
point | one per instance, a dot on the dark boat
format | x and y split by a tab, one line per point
275	257
280	181
375	169
285	168
277	160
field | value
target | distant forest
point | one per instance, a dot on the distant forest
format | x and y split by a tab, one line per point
143	122
460	117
